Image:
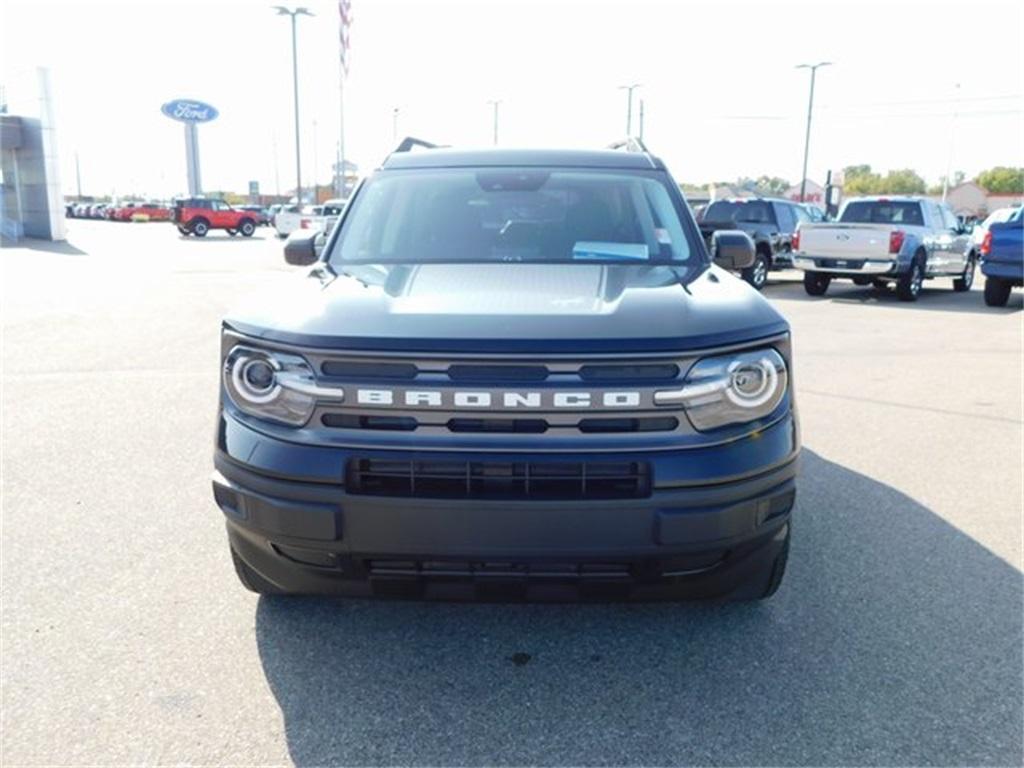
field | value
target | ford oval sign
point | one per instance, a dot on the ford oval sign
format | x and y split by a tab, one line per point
189	111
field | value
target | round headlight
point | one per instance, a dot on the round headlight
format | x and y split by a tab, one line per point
752	383
254	379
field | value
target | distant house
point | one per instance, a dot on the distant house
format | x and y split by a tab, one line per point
971	199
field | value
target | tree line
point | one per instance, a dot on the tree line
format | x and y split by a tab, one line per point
861	180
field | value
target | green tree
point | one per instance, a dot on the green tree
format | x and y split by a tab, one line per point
1002	180
860	180
902	182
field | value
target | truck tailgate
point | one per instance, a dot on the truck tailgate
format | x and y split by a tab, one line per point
860	241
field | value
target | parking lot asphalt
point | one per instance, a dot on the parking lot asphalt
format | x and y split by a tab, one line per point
896	638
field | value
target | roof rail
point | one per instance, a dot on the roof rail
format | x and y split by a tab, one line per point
409	142
630	144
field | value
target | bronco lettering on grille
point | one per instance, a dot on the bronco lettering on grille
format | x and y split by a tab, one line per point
432	398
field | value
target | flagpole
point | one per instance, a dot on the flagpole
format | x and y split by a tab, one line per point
344	13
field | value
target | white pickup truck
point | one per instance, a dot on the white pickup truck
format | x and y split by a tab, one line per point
883	240
319	217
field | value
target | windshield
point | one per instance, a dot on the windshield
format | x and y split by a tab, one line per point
506	214
882	212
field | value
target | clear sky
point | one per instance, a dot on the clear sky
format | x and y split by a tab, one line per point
722	96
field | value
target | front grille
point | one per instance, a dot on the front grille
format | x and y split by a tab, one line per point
498	479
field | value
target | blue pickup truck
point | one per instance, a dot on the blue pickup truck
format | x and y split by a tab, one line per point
1002	259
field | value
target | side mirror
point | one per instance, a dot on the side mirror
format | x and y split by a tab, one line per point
732	249
304	247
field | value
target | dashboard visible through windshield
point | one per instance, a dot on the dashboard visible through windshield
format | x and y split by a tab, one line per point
508	215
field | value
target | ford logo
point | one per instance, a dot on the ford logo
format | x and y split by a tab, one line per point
189	111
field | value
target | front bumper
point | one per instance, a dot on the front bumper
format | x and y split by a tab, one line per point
851	266
713	521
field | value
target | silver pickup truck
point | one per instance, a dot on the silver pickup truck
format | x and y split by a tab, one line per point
883	240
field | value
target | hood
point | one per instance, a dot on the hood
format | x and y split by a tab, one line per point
510	307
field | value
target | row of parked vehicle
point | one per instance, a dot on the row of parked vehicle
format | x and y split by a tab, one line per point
887	242
152	211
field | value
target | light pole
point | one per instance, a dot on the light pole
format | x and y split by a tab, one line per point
629	106
494	103
810	108
952	132
394	124
282	11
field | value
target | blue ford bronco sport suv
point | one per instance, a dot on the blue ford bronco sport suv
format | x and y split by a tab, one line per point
510	375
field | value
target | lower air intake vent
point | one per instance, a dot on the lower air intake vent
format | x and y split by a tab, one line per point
499	480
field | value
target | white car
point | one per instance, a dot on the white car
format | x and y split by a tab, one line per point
287	219
997	216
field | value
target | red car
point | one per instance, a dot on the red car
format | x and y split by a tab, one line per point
150	212
198	215
123	212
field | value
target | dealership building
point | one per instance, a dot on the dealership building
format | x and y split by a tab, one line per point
31	202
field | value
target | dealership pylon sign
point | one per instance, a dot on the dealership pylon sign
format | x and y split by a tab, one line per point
191	112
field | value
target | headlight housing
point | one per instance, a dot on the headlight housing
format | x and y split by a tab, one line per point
730	389
273	385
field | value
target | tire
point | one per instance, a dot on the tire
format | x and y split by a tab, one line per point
252	580
908	287
862	281
880	284
200	227
247	228
280	235
997	291
757	273
232	232
183	231
816	283
966	280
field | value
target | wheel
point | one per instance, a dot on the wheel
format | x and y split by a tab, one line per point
861	280
247	228
281	235
200	227
183	231
232	232
880	284
908	287
816	283
966	280
757	273
252	580
997	291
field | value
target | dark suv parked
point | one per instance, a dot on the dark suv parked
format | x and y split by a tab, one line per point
510	375
771	223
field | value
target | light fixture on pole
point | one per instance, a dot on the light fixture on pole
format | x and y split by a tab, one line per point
810	109
394	124
300	11
629	106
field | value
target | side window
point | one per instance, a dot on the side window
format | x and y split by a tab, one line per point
785	218
935	214
220	205
950	219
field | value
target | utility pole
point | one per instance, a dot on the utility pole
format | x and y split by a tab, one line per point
807	136
78	175
316	184
641	120
952	132
494	103
282	11
629	106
